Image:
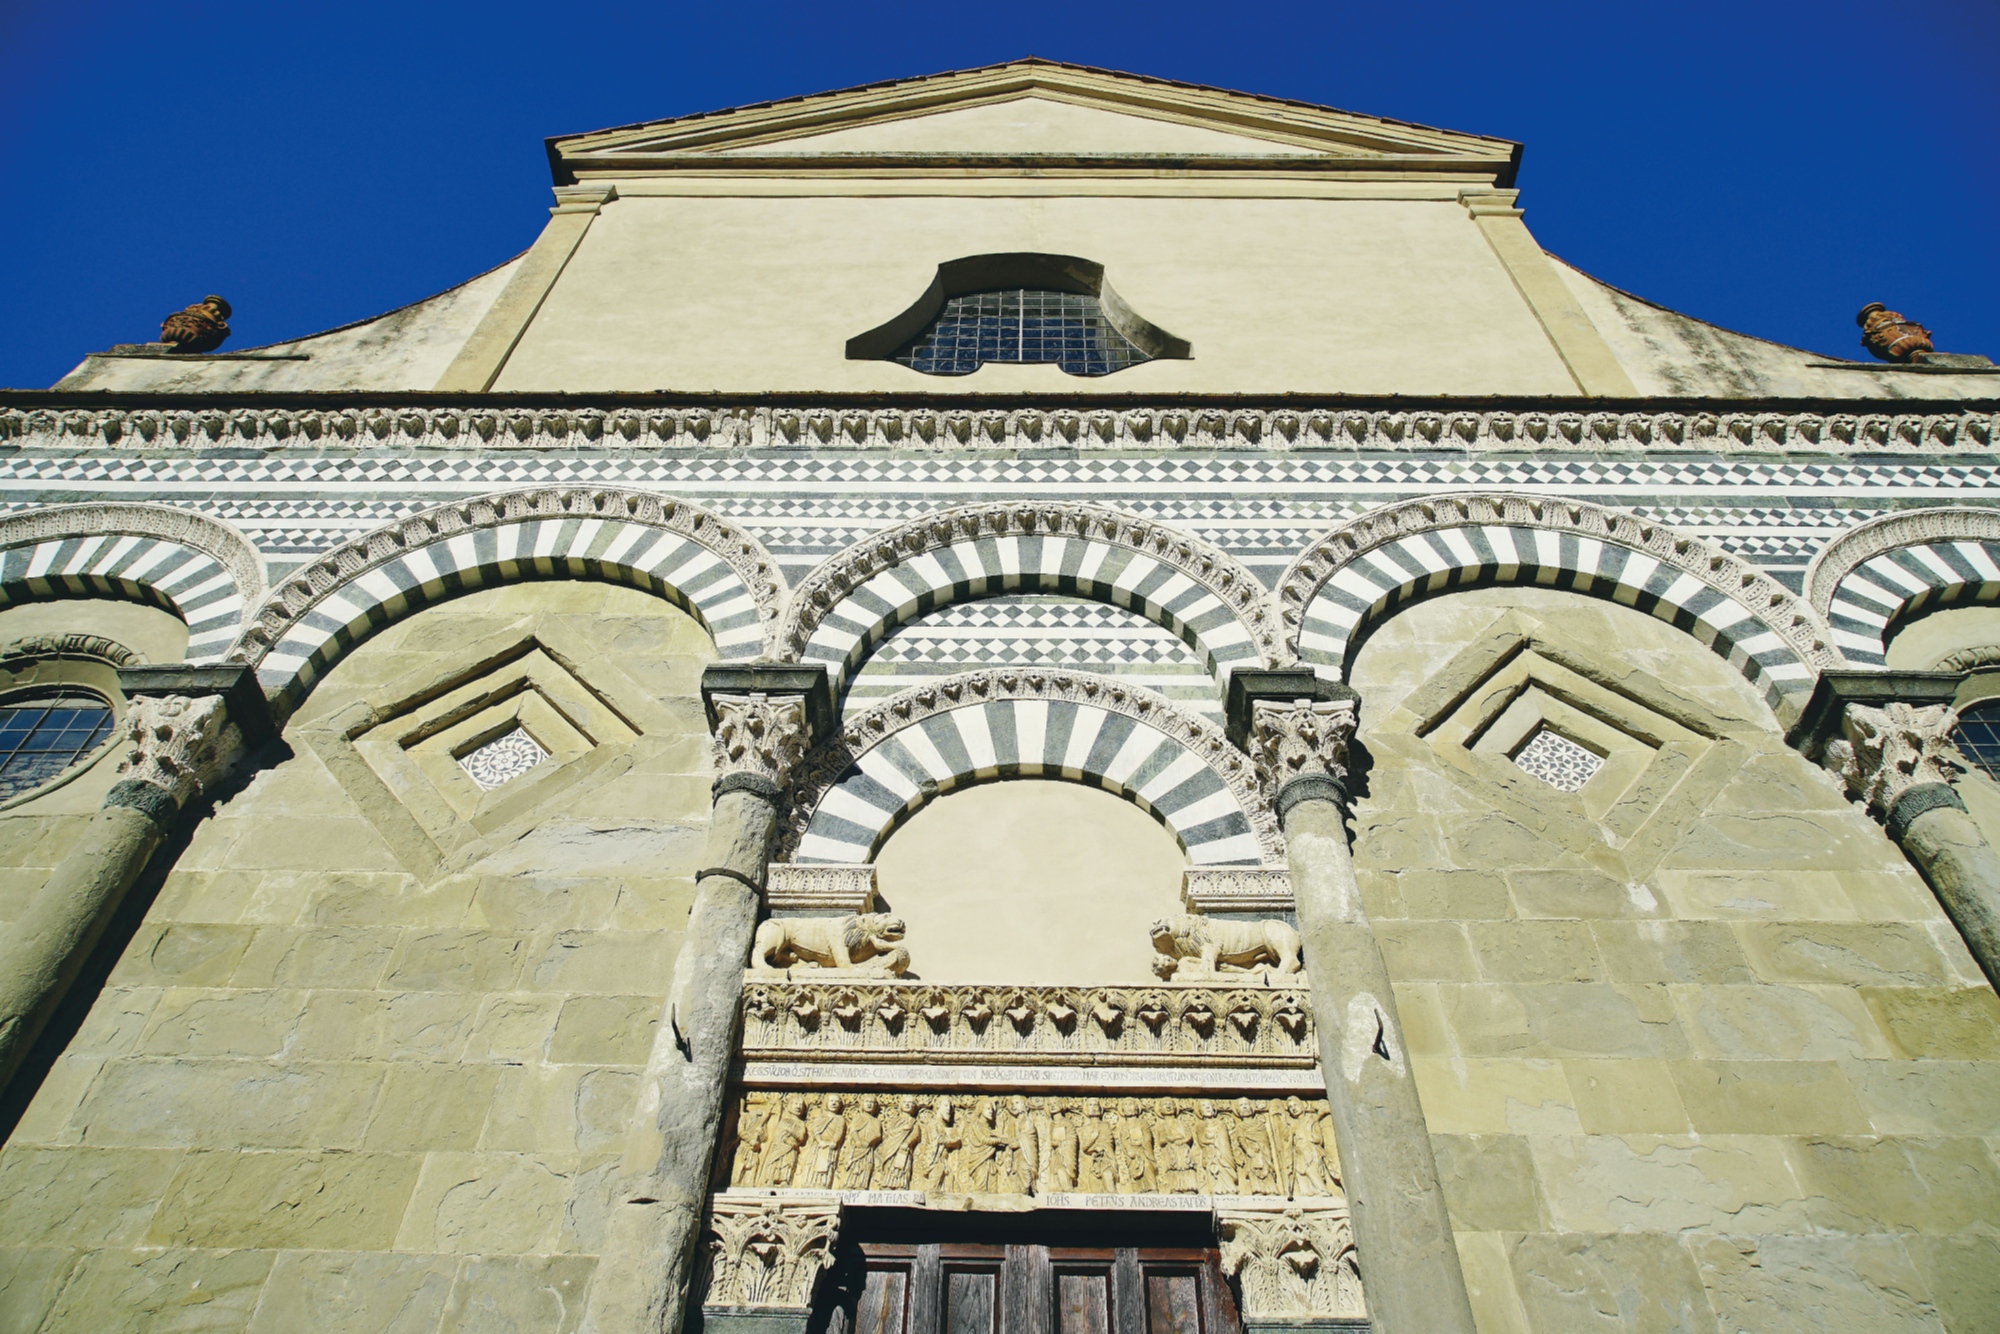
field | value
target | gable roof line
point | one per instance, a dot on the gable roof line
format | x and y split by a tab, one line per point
554	143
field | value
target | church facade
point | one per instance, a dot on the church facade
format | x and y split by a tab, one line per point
1025	700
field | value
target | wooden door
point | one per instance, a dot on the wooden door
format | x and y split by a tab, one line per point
977	1289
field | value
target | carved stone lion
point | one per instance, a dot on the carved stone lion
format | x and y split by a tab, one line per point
1196	948
863	943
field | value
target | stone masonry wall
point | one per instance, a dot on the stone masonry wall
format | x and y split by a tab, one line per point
369	1062
1710	1059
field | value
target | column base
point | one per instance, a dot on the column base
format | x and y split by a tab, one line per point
750	1320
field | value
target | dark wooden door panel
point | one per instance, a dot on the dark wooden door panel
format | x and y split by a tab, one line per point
1026	1289
971	1299
1083	1302
1173	1301
884	1307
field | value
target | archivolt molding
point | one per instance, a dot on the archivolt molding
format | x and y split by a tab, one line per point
859	784
1216	604
200	568
870	427
70	646
1874	574
1774	638
683	552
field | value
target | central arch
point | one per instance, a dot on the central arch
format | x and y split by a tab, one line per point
1203	596
889	762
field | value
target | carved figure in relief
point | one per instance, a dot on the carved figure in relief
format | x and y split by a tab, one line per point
1256	1170
857	1150
939	1138
1197	948
1028	1144
1097	1158
787	1139
750	1124
1308	1168
895	1157
980	1145
829	1131
1134	1141
862	943
1218	1160
1060	1167
1173	1151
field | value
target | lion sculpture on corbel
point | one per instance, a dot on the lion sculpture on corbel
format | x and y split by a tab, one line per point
866	944
1195	948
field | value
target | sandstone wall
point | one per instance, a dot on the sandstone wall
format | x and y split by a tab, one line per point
1710	1057
370	1059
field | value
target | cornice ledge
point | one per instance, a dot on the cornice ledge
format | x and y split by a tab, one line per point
498	422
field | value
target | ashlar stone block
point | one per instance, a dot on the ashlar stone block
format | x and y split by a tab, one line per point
281	1200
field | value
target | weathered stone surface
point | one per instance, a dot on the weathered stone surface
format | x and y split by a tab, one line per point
1768	1098
1640	1282
340	1201
518	1295
1868	1184
1808	1285
79	1197
1930	1021
143	1292
1489	1183
1626	1097
341	1290
484	1203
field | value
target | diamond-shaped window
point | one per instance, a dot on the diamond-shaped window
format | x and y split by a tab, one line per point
502	759
1558	761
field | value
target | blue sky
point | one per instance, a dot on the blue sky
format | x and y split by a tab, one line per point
1767	166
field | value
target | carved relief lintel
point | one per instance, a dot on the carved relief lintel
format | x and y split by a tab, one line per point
177	744
769	1253
1883	753
1303	739
759	737
1295	1261
1213	889
799	888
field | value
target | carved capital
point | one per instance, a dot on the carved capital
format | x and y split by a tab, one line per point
760	737
1306	738
1883	753
178	745
769	1253
1292	1261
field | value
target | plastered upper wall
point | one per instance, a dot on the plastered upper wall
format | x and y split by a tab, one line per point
747	293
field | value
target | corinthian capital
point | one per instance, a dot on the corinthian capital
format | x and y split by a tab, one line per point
1292	1261
769	1253
1883	753
759	739
177	746
1304	738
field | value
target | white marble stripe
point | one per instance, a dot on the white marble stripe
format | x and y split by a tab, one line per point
876	765
976	734
1237	849
925	753
1082	738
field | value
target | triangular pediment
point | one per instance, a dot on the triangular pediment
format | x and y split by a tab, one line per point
1029	112
1035	124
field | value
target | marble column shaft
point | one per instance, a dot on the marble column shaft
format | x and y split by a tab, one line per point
1402	1234
650	1252
175	747
1899	760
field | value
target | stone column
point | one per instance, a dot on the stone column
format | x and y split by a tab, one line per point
175	749
765	1257
1899	759
1295	1265
1409	1262
649	1253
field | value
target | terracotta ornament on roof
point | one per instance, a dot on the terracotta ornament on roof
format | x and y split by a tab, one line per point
197	328
1889	336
